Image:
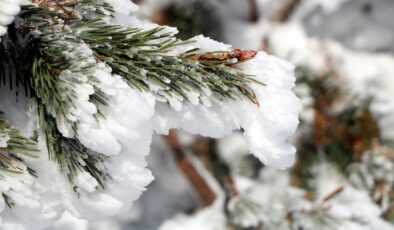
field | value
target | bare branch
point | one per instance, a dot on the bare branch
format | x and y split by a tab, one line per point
206	194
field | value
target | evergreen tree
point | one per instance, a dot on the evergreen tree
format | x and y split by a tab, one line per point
84	85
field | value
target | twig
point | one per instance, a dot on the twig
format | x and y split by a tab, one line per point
67	7
282	15
205	149
254	13
232	186
389	214
238	54
206	194
323	206
286	10
333	194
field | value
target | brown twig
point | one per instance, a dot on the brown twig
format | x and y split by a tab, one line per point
232	186
254	13
199	183
389	214
282	15
286	11
323	206
238	54
206	150
67	7
333	194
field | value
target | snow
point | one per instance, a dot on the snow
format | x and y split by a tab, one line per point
68	222
350	209
4	138
131	119
209	218
327	7
374	168
123	6
232	148
363	75
353	207
367	27
8	10
86	181
279	199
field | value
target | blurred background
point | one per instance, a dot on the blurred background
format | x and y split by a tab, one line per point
344	174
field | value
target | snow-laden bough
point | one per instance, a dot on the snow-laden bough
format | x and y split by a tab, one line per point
125	134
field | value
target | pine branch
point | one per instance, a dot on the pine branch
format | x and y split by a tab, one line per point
69	153
13	147
14	52
51	34
141	58
8	200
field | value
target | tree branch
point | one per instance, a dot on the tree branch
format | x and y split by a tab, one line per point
254	13
286	10
199	183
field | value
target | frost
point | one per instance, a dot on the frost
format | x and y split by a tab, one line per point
68	222
376	168
131	118
123	6
86	181
8	10
351	208
210	218
327	7
366	75
4	138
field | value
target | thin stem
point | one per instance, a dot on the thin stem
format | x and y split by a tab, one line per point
254	12
286	10
199	183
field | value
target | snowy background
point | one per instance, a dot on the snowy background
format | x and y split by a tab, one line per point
354	39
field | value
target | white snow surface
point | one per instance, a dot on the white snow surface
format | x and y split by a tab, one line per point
350	209
327	7
4	138
8	10
209	218
123	6
126	132
363	74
